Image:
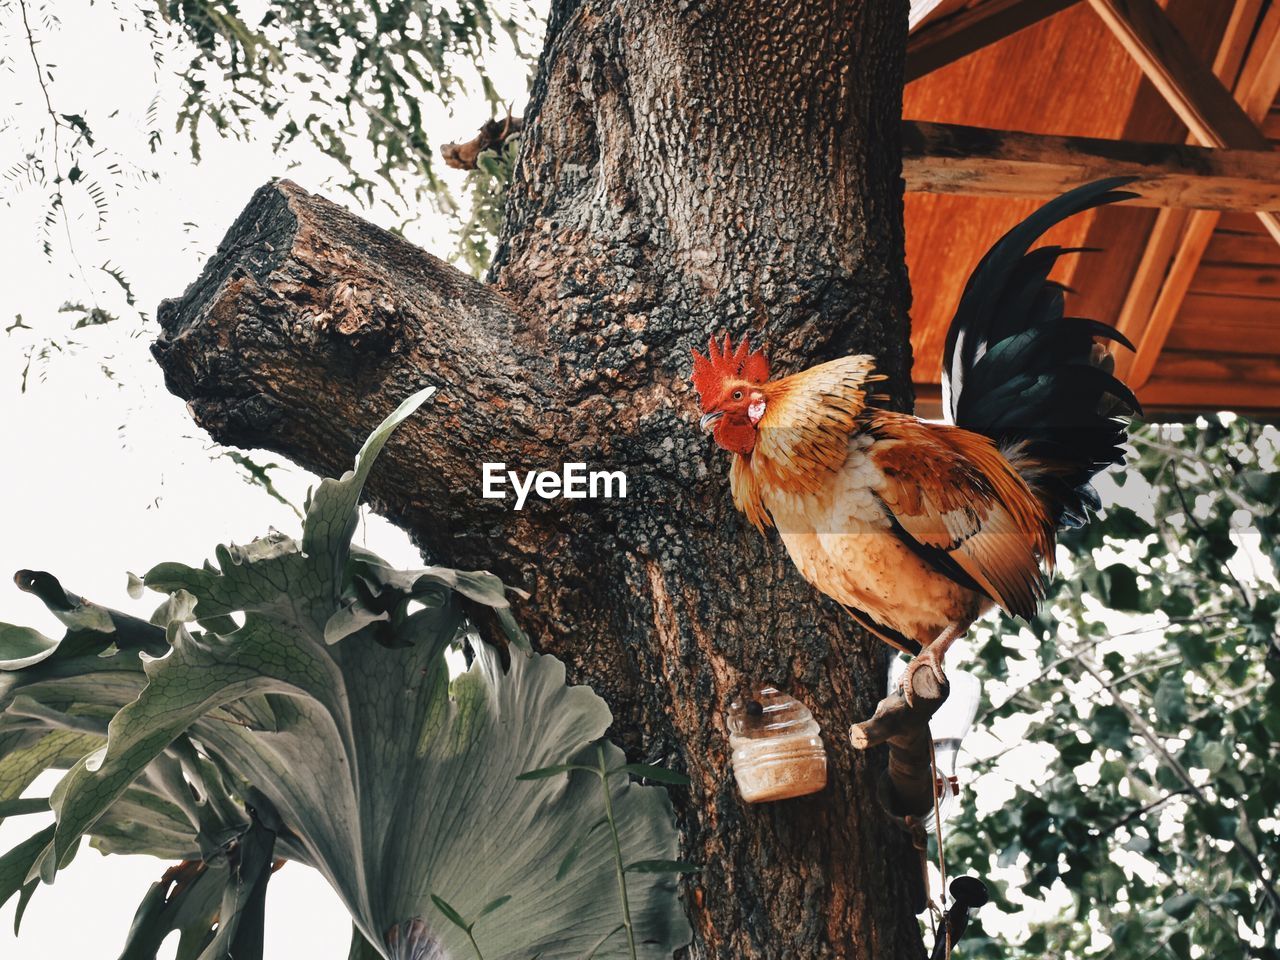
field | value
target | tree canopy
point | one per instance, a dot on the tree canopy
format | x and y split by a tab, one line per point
1154	674
365	86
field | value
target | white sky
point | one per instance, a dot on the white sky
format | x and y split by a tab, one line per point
109	475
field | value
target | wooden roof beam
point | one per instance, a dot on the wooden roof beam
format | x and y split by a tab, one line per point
947	40
948	158
1178	240
1199	98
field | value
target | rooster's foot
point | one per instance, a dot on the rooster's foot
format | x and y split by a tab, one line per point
928	657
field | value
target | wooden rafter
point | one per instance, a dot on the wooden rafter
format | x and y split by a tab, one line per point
948	158
1260	74
1244	384
1235	42
947	40
1178	240
1199	98
1139	319
1183	79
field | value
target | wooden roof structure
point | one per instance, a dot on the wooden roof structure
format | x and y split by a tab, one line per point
1009	102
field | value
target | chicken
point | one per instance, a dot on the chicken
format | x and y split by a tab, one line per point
920	528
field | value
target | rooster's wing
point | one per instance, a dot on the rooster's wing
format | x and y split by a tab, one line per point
958	503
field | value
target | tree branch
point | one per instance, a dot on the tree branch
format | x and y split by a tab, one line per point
1143	729
909	789
309	324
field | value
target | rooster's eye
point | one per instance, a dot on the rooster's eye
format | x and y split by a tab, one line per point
737	394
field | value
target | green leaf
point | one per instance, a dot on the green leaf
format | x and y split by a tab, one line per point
23	647
18	862
565	864
265	702
595	948
332	514
242	910
361	949
1214	756
451	914
23	757
1179	907
1170	700
24	898
186	899
492	905
74	612
656	774
1111	726
544	814
1121	587
22	806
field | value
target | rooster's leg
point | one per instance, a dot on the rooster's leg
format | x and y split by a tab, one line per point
931	657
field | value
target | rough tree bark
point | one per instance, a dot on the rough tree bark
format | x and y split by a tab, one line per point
687	168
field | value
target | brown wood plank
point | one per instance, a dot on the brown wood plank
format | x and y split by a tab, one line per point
948	39
1177	365
1186	82
1166	396
1209	324
1179	241
1183	383
1208	109
946	236
1241	223
1215	30
1194	382
1232	280
1242	249
950	158
1260	75
1086	88
929	401
1183	256
1271	126
1236	36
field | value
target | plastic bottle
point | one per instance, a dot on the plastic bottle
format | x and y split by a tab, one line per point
777	747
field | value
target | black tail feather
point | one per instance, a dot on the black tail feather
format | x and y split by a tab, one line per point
1018	371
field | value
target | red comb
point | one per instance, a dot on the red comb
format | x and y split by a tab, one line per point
726	363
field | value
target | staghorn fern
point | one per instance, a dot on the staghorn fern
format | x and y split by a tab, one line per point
292	702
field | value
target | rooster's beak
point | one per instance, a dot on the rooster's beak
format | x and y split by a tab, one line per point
709	420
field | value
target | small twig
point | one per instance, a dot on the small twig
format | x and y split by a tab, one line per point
57	150
908	790
1075	652
1147	668
423	157
1199	527
1145	808
1152	739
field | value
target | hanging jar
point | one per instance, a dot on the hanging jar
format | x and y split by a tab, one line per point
777	747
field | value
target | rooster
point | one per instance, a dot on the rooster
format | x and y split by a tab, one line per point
920	528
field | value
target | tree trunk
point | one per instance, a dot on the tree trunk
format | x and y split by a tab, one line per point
687	168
